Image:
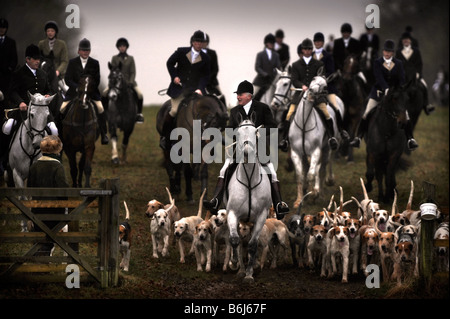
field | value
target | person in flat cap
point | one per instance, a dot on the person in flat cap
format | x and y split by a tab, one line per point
128	69
282	49
389	72
189	69
52	47
80	66
260	114
48	171
267	61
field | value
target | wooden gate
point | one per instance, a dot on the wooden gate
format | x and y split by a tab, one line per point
102	267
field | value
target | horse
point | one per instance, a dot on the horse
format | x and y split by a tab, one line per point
354	96
385	142
57	86
25	144
366	62
211	113
282	95
79	133
248	196
310	151
121	110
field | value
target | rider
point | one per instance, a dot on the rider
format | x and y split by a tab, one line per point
213	85
303	71
388	72
267	61
282	49
84	65
59	48
248	108
129	73
412	63
189	69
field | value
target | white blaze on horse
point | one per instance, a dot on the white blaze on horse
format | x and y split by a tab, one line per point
248	196
25	144
310	151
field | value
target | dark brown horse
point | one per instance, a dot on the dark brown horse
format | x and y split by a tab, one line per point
385	142
354	96
80	131
195	115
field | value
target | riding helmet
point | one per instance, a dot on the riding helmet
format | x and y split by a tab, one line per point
32	51
199	36
346	27
270	38
406	35
279	34
51	24
318	36
389	45
84	44
122	41
3	23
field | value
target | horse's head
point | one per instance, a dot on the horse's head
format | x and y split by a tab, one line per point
317	87
282	89
394	104
85	87
38	113
211	111
350	67
115	81
246	139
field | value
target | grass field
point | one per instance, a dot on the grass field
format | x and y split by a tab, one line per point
143	178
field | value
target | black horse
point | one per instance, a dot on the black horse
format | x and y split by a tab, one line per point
121	111
385	143
212	113
48	65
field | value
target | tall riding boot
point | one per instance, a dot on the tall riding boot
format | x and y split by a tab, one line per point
164	141
103	128
361	130
139	116
330	131
281	208
284	131
411	142
340	125
213	204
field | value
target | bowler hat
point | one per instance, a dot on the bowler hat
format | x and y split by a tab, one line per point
389	45
32	51
245	87
199	36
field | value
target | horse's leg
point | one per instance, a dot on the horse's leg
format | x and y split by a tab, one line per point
72	156
298	165
313	172
370	171
114	151
188	181
234	237
390	180
326	167
204	177
253	245
81	168
380	171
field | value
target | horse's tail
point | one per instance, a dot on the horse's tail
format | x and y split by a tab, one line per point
366	196
411	193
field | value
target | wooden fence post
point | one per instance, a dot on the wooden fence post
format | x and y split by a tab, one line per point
426	252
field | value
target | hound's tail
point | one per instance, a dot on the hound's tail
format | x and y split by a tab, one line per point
127	216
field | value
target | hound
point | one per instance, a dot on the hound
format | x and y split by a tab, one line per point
367	206
380	217
203	244
125	240
317	249
410	233
442	251
274	234
338	247
221	236
386	247
405	265
160	230
354	239
185	229
369	247
154	205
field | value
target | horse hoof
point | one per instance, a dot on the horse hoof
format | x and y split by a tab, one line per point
329	182
249	280
115	160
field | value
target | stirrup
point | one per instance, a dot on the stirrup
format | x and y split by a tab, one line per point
212	205
333	143
412	144
283	145
356	142
139	118
345	135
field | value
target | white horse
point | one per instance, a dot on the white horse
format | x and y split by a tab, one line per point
282	95
310	151
25	144
248	198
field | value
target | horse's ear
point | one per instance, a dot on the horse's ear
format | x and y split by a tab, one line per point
241	118
321	71
29	95
279	72
253	117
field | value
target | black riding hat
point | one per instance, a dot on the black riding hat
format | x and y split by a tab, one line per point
245	87
389	45
318	36
199	36
32	51
346	27
51	24
122	41
279	34
307	44
270	38
406	35
84	44
3	23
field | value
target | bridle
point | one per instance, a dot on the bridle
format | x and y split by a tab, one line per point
280	98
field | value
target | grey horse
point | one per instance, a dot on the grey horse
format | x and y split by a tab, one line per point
248	197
